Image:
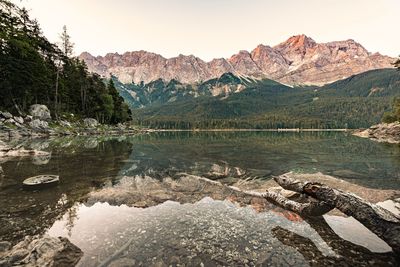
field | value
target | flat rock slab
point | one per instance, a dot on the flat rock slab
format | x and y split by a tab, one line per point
41	251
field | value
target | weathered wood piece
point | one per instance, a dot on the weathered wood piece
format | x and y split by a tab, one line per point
380	221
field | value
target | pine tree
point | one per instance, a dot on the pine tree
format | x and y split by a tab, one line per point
397	63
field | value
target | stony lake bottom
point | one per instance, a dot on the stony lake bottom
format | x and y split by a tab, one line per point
135	200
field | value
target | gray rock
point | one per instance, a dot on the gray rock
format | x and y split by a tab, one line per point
90	122
40	112
44	251
38	124
384	132
20	120
6	115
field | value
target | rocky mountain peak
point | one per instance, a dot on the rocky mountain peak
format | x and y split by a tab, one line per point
298	60
298	42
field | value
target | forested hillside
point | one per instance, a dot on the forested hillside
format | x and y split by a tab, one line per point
33	70
358	101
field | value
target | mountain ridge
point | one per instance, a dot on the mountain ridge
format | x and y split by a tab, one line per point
357	101
298	60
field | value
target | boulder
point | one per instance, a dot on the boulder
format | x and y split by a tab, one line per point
5	115
90	122
20	120
40	112
44	251
38	124
384	132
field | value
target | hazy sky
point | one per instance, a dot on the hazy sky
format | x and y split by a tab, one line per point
215	28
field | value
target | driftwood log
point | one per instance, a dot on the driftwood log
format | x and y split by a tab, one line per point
320	199
380	221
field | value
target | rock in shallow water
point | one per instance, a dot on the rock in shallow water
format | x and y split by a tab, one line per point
44	251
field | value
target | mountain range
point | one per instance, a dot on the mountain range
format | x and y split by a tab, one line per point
358	101
297	61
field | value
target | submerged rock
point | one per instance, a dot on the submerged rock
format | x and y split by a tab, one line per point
384	132
41	159
122	262
44	251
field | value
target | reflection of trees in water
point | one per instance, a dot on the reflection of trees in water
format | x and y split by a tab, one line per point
338	154
72	214
80	169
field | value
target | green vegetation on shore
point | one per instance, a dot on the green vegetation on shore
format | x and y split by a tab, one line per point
394	115
33	70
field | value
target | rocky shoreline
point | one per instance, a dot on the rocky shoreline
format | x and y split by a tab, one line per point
384	132
40	124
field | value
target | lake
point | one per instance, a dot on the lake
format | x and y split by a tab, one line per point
137	200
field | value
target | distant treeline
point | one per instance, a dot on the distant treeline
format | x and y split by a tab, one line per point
356	102
33	70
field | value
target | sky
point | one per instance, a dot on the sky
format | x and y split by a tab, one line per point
215	28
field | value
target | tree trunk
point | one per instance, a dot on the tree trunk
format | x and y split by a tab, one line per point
380	221
56	95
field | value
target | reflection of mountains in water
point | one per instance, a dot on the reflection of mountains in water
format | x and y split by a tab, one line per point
210	230
262	154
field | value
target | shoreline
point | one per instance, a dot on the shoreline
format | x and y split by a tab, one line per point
251	130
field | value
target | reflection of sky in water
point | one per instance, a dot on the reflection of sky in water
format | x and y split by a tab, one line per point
101	229
208	228
191	231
